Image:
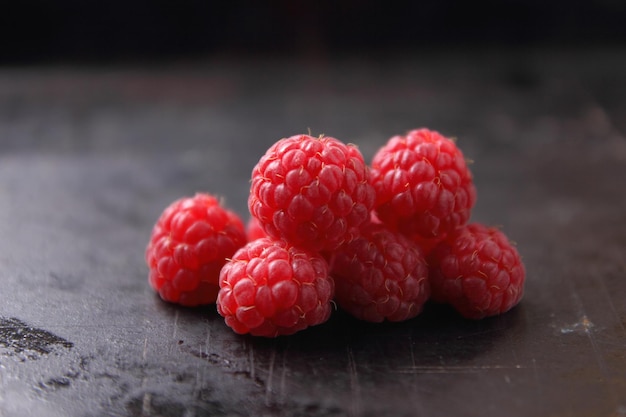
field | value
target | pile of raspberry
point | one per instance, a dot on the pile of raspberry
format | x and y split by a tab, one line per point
378	241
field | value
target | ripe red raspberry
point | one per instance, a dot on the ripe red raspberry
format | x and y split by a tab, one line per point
312	192
254	230
477	271
425	244
189	244
423	186
272	288
380	275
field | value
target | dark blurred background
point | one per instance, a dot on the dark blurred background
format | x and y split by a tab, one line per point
36	31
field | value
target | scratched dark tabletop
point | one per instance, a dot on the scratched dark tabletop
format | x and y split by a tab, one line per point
90	156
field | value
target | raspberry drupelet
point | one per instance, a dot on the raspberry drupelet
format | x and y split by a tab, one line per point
477	271
188	247
380	275
424	188
312	192
271	288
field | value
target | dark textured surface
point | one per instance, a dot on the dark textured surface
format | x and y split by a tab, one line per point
90	157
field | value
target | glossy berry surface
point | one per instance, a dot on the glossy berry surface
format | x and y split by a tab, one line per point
188	247
423	185
312	192
477	271
380	275
271	288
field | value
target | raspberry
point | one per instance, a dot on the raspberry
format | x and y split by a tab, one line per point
477	271
423	186
188	246
425	244
272	288
312	192
380	275
254	230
